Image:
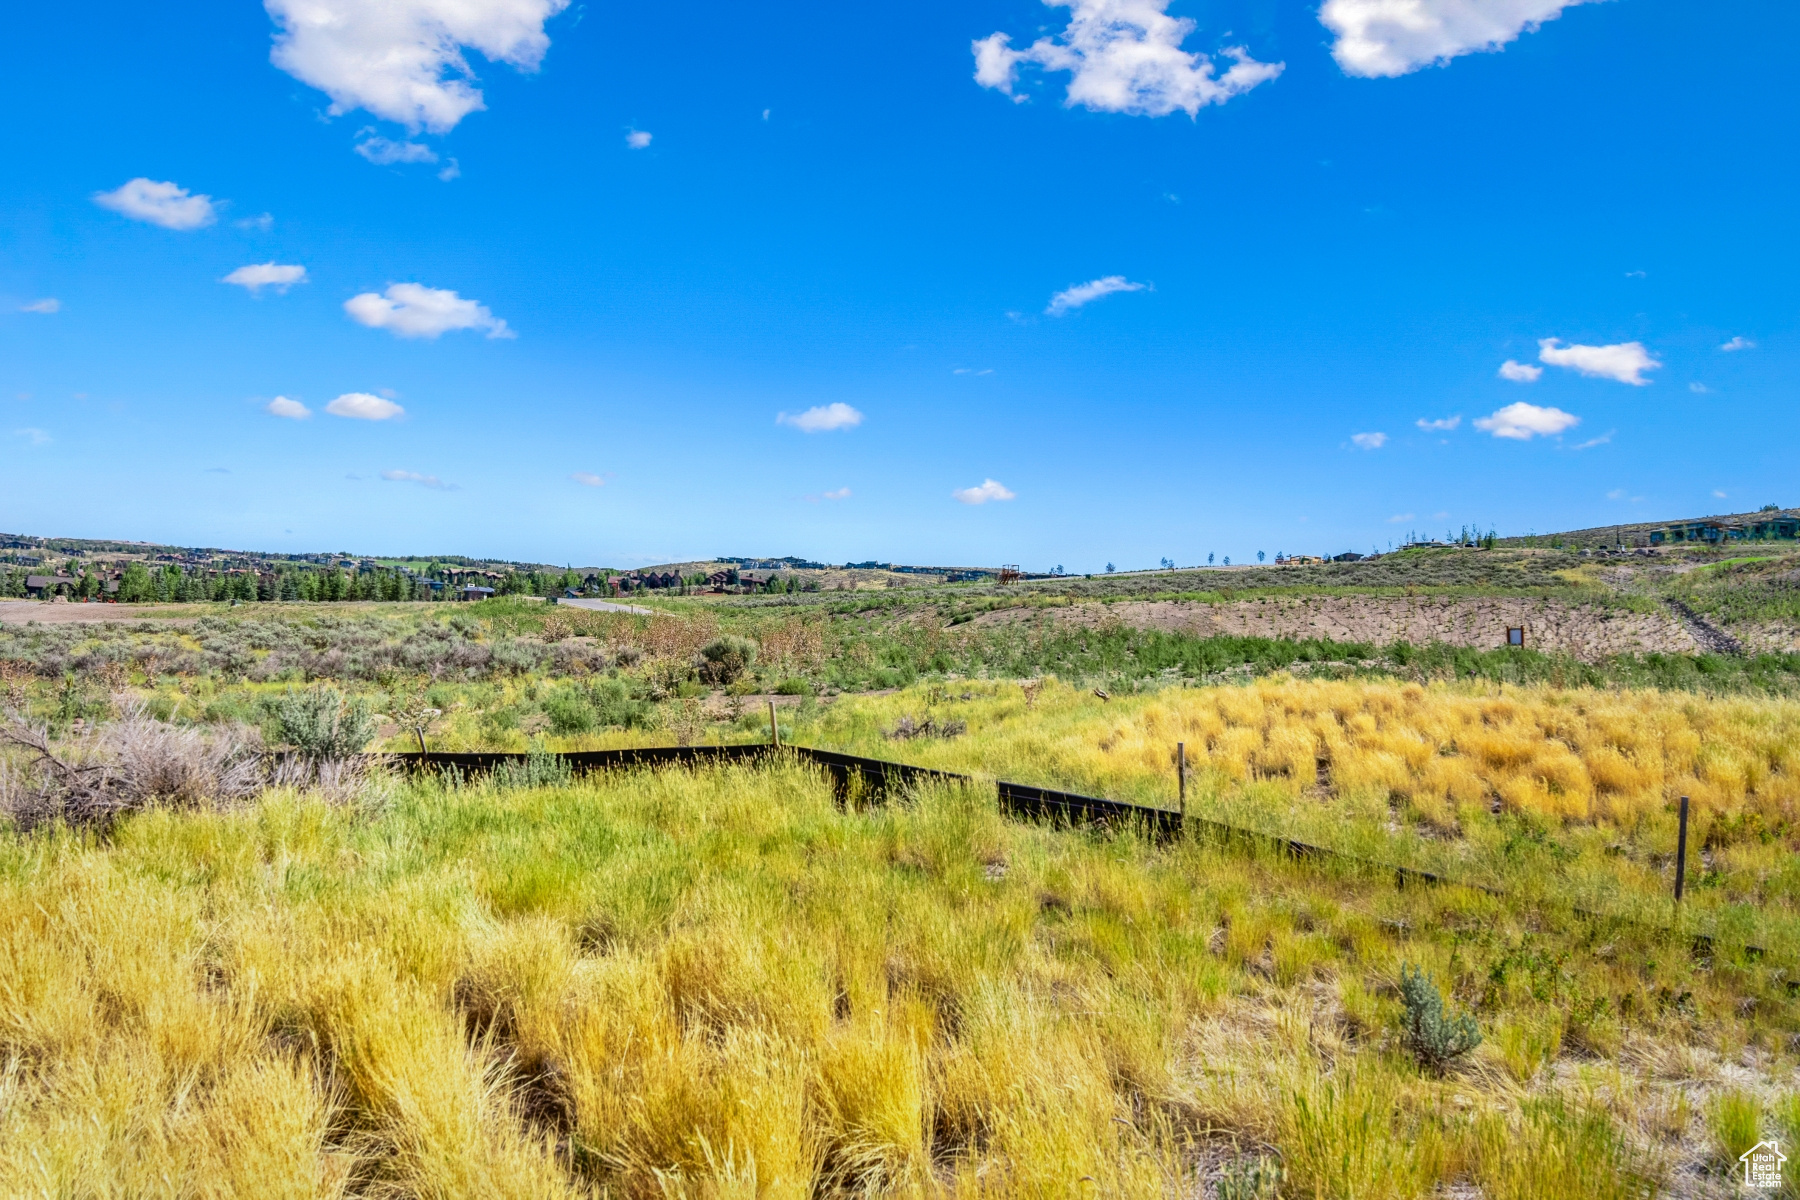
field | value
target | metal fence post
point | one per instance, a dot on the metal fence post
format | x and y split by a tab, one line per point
1181	776
1681	852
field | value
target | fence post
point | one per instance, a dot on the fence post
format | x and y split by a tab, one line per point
1681	852
1181	777
774	729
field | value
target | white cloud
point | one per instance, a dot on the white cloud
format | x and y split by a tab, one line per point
1738	343
842	493
1520	372
1602	440
411	310
430	481
257	276
1399	517
589	479
637	139
361	406
1522	422
293	410
403	59
1441	425
1617	494
47	305
1623	361
1718	494
1699	389
385	151
162	204
452	170
262	224
823	418
1369	441
1395	37
1124	56
36	437
987	490
1076	295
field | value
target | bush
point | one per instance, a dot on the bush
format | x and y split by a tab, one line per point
725	658
323	723
614	705
1434	1037
570	711
537	769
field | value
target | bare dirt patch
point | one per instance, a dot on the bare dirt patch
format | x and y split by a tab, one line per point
20	612
1587	632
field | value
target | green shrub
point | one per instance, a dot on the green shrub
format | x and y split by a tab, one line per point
614	705
536	769
1435	1038
570	711
725	658
324	723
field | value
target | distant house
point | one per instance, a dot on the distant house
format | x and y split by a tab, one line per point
1302	560
1775	527
474	593
1347	556
40	587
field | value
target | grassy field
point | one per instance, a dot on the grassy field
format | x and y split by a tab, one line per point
716	983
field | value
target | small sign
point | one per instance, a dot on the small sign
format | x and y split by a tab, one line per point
1762	1165
1515	635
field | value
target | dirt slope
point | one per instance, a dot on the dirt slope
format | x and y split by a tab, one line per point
1587	632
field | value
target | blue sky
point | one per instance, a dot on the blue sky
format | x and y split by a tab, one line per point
647	283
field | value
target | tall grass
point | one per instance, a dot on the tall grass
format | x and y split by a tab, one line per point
716	983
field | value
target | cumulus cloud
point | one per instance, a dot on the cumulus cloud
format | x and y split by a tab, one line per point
842	493
361	406
163	204
411	310
1520	372
452	170
258	276
1369	441
589	479
1738	343
637	139
1440	425
385	151
822	418
430	481
1123	56
1521	422
986	490
1623	361
1076	295
293	410
403	59
1394	37
46	306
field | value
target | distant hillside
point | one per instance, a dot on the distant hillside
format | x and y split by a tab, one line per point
1636	533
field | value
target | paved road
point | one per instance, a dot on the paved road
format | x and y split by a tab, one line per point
609	606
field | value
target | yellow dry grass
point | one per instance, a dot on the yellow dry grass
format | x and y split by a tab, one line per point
1568	755
717	984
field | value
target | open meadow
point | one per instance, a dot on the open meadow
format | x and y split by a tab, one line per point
237	960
